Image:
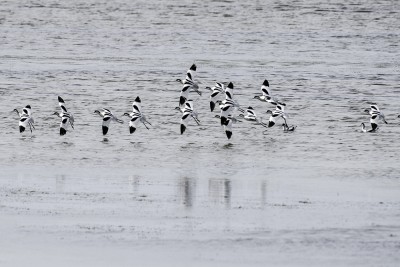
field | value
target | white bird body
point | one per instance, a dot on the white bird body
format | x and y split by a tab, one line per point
107	118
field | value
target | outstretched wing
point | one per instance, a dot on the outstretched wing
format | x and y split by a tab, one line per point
184	95
229	91
272	119
27	110
251	112
133	123
184	120
61	103
374	108
374	121
228	128
264	89
136	106
190	75
106	123
24	122
65	120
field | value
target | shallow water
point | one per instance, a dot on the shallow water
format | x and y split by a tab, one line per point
327	61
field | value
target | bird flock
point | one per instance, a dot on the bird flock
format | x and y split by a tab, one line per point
221	96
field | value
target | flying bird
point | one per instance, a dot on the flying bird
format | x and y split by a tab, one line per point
136	116
266	97
25	119
188	85
66	117
107	118
188	113
376	115
279	112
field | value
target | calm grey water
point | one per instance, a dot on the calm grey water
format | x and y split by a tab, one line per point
327	61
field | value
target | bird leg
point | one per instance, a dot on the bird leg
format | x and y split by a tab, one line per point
145	125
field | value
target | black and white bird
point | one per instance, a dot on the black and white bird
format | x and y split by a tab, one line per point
66	117
187	113
376	115
279	112
229	105
372	130
266	97
25	119
251	116
188	85
216	90
136	116
107	118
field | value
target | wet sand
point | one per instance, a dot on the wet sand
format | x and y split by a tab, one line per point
109	217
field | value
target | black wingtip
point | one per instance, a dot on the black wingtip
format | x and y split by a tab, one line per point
132	130
182	100
193	67
230	85
266	83
183	128
60	99
28	106
212	106
271	123
21	129
105	130
138	99
250	107
62	131
228	134
223	121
